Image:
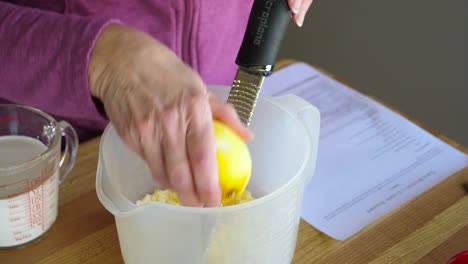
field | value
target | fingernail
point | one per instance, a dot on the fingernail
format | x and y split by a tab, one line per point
300	20
296	5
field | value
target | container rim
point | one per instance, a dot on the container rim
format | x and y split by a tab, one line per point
209	210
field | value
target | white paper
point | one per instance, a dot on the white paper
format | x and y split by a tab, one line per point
370	159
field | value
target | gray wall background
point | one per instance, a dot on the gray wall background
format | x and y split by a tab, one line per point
412	55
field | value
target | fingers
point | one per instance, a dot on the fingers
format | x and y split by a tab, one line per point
152	152
140	131
226	113
201	149
299	9
177	166
295	5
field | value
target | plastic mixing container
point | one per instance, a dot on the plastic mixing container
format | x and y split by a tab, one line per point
261	231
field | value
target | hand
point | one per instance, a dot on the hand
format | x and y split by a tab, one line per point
299	9
162	110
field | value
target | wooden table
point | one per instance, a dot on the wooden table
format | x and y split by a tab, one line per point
428	229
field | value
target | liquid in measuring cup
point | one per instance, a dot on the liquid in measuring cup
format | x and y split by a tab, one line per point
30	207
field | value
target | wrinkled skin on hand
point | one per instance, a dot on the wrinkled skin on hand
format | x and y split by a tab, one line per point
162	110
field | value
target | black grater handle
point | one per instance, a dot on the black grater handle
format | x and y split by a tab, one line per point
266	28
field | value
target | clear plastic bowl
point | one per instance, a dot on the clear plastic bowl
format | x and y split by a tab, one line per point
261	231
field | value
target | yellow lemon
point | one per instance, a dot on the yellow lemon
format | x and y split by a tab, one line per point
234	162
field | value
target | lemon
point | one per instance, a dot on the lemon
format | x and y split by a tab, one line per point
234	162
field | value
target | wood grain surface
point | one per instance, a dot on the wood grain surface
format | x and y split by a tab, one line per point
428	229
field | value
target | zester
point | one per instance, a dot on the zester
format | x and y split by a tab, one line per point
266	27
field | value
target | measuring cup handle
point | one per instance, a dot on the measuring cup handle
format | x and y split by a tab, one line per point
71	149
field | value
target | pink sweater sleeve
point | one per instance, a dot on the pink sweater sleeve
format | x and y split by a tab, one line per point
44	62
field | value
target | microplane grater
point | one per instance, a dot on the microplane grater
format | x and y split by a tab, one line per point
266	27
244	94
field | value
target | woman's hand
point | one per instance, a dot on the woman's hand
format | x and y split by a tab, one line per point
299	9
162	110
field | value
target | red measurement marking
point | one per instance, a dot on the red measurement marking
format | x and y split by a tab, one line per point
8	118
14	219
18	198
19	232
13	195
14	206
22	225
36	198
29	206
19	212
42	189
35	182
22	237
22	231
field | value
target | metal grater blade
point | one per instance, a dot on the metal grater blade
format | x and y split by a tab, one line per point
244	94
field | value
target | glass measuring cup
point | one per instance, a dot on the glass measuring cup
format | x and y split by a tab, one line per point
31	169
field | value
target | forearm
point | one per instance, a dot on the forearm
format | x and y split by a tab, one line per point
45	58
